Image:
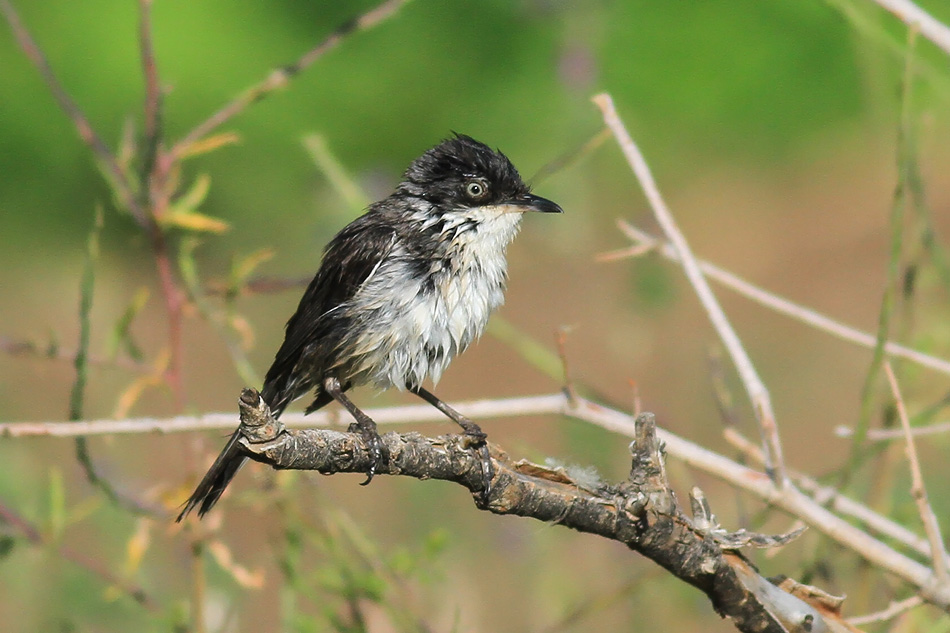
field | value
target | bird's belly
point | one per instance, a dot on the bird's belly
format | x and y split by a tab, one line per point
406	333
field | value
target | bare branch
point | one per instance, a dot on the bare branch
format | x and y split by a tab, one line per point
106	160
796	503
644	243
915	17
832	498
893	610
279	77
478	409
23	347
641	512
918	490
758	394
887	435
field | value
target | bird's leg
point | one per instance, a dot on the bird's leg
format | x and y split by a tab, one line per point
475	434
364	425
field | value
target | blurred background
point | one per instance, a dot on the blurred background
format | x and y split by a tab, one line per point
772	129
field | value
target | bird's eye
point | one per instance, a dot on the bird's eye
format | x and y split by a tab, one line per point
476	189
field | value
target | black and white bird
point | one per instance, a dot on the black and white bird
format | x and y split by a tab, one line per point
401	291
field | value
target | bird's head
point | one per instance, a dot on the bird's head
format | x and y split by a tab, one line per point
460	173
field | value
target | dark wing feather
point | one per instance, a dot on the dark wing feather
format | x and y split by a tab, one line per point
348	261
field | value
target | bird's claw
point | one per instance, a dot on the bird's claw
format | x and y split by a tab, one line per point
477	440
374	445
488	472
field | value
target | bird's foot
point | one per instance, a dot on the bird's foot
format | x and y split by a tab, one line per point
374	443
476	439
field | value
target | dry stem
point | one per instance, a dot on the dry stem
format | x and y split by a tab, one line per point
918	490
758	394
644	243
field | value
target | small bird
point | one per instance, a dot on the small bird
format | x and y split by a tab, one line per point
401	291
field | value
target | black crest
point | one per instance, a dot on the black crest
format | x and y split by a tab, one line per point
442	173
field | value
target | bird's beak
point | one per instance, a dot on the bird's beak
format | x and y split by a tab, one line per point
531	202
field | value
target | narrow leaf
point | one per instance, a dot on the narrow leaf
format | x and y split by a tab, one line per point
242	268
195	222
242	575
137	545
192	199
331	166
209	144
121	335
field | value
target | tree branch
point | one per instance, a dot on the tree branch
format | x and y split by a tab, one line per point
810	510
641	512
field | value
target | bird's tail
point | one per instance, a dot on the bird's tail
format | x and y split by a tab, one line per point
217	478
227	464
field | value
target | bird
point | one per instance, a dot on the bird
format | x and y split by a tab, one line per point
400	292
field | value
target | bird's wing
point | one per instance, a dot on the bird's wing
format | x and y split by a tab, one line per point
348	261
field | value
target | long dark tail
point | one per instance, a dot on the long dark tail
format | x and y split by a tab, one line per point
231	459
217	478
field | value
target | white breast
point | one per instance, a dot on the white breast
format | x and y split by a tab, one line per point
411	331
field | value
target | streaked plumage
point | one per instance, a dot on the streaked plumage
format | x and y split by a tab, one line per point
402	290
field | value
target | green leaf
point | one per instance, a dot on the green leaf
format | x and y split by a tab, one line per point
242	268
121	335
192	199
209	144
183	212
193	221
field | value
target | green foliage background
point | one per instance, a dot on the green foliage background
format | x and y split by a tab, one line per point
771	128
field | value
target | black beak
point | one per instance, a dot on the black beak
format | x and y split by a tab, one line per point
531	202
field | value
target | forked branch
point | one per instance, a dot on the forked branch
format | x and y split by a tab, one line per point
641	512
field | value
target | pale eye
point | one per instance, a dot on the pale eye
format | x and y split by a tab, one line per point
475	189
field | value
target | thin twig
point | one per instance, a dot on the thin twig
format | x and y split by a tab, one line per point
893	610
789	499
918	490
77	395
569	158
104	156
90	564
478	409
257	285
279	77
906	139
887	435
153	99
174	303
758	394
644	242
561	338
832	498
22	347
913	16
